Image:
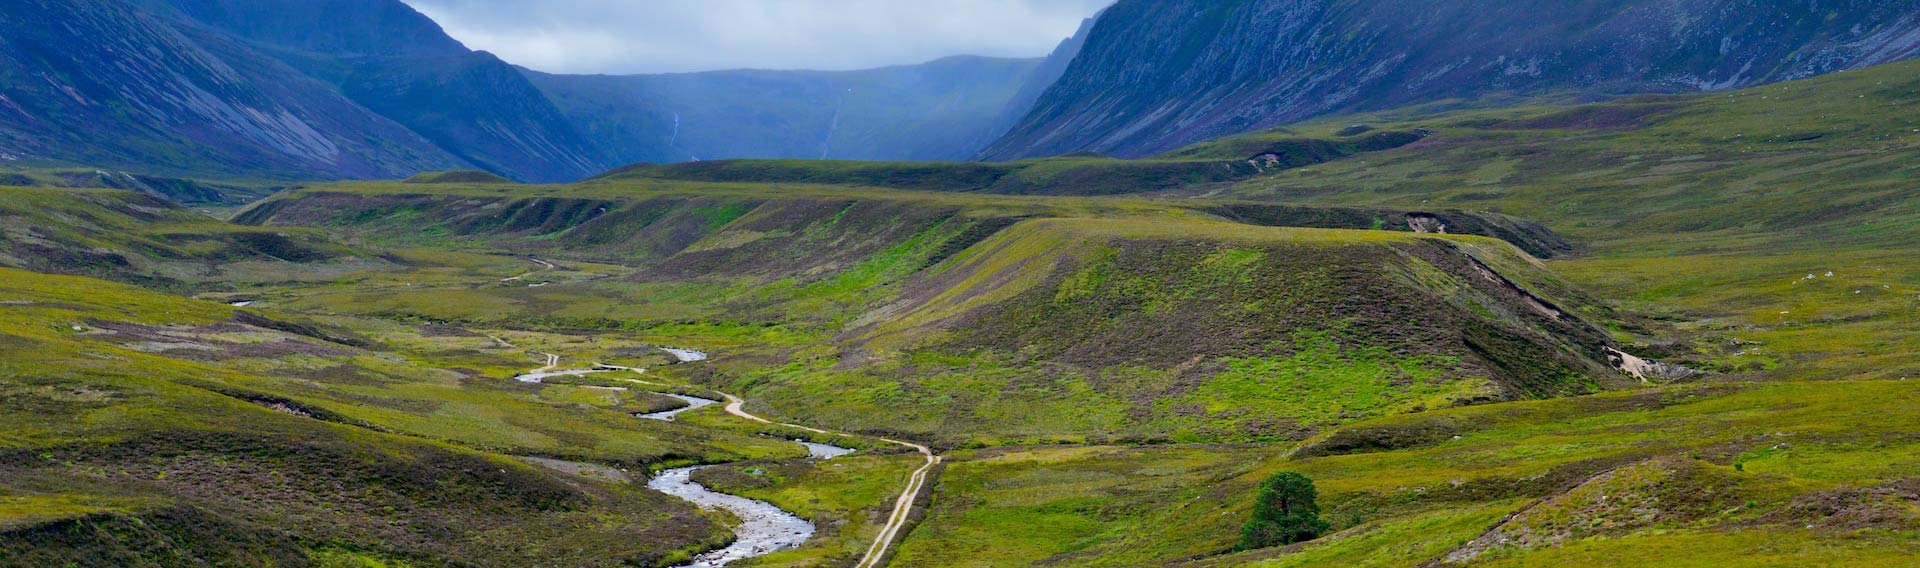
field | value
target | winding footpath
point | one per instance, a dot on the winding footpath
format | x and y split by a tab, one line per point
544	266
764	528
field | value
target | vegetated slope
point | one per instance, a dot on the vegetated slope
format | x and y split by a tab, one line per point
1157	75
1817	473
1063	329
1775	225
149	430
945	109
178	190
136	237
1071	175
926	303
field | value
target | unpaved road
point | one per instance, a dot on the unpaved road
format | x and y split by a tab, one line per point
544	266
902	506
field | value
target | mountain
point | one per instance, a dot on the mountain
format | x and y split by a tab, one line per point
941	110
1158	75
398	63
101	82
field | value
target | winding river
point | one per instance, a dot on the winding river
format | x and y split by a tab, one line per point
763	529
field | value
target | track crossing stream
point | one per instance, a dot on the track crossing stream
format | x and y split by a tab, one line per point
764	528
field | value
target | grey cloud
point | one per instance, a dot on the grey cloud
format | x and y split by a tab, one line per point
655	36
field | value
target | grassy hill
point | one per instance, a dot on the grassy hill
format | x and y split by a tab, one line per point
1772	226
137	237
968	316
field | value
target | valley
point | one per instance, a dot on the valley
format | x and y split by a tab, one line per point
1525	328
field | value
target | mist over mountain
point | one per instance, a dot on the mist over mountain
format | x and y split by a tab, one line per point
941	110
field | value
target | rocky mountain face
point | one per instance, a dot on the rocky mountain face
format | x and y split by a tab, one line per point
1045	75
101	82
941	110
1159	74
399	64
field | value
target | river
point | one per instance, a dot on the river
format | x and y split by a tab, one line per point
764	528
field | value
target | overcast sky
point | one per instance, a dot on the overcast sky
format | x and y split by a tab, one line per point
657	36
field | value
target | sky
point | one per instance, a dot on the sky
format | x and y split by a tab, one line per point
666	36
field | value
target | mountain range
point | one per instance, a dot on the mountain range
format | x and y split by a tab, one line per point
277	89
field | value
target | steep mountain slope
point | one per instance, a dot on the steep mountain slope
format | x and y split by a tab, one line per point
284	90
396	62
100	82
1157	75
1045	75
940	110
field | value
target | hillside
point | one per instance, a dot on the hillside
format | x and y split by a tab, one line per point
145	239
1069	175
1154	76
902	288
1712	210
152	430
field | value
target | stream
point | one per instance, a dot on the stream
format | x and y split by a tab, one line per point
536	377
686	355
763	529
693	402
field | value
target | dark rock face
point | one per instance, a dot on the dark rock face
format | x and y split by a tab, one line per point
1155	75
398	63
268	89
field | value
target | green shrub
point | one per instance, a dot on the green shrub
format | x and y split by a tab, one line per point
1283	513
